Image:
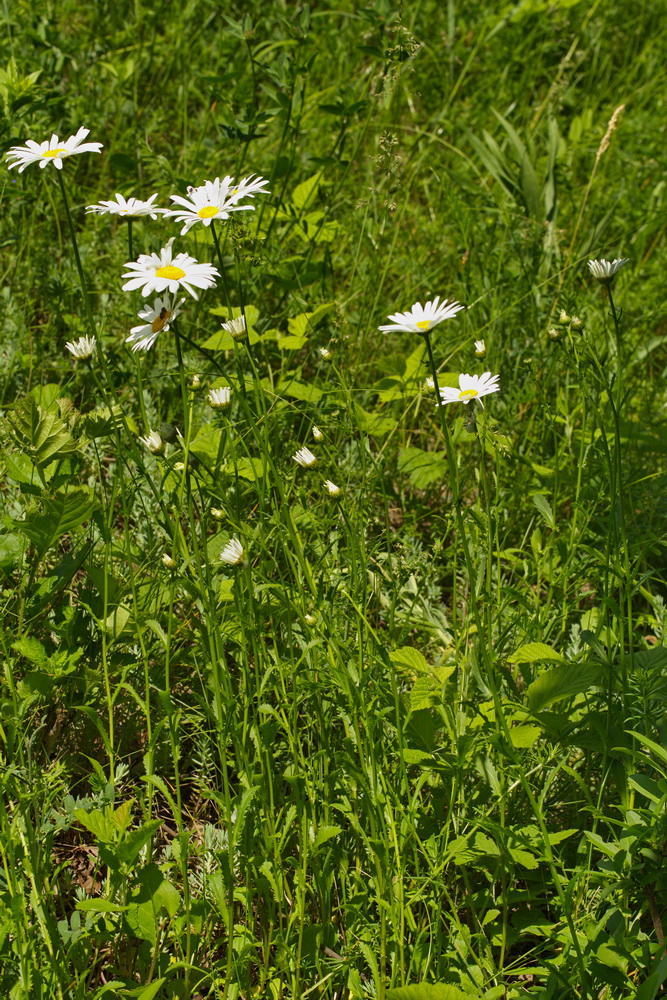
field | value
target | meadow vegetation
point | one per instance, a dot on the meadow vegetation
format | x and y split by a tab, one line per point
393	723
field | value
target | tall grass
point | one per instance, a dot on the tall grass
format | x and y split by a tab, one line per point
412	744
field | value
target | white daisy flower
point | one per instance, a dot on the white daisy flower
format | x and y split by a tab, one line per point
153	273
153	442
130	208
604	270
480	348
213	200
236	328
470	387
81	348
305	458
52	151
233	553
156	319
317	433
332	488
248	187
421	319
220	399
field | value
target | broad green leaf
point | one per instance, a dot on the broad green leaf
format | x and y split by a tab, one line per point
117	623
31	649
524	736
416	756
62	513
373	423
99	906
544	508
307	393
152	894
40	433
149	992
97	822
649	988
132	843
535	652
292	343
423	467
563	682
410	659
304	194
523	858
251	469
306	322
426	991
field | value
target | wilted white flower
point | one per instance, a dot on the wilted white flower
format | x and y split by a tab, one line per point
317	433
554	333
326	353
480	348
576	323
233	553
168	561
81	348
212	200
305	458
471	387
604	270
153	442
217	513
420	319
156	319
153	273
219	399
236	328
332	488
129	208
52	151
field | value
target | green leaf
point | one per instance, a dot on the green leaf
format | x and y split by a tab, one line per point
303	194
373	423
97	822
130	847
544	508
325	833
423	467
534	652
649	988
99	906
523	858
150	991
306	322
152	893
292	343
306	392
31	649
409	659
524	736
40	433
426	991
62	513
563	682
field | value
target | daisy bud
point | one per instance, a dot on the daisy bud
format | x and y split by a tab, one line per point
194	385
178	466
554	334
153	443
218	514
576	323
233	553
168	561
326	353
317	433
332	488
309	619
82	348
429	383
219	399
480	348
236	328
305	458
563	317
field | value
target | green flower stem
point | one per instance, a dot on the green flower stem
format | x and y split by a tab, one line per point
77	257
130	251
223	278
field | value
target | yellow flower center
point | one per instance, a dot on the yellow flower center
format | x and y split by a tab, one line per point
54	152
208	212
423	324
160	321
468	394
171	272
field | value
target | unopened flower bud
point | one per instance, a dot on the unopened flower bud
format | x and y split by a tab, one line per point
218	514
554	334
317	433
563	318
195	383
576	323
168	561
480	348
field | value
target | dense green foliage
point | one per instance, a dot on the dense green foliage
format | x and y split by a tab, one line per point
418	734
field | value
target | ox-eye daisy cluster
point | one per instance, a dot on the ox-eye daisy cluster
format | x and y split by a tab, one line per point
214	200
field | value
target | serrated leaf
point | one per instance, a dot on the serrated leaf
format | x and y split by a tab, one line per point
563	682
544	508
410	659
41	433
292	343
325	833
535	652
130	847
97	823
62	513
523	858
426	991
416	756
31	649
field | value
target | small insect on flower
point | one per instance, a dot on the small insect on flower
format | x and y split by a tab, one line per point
129	208
305	458
156	319
332	488
153	442
233	553
82	348
153	273
317	433
480	348
421	319
220	399
52	151
470	387
604	270
236	328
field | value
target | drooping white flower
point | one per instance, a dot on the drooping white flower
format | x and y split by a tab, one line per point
53	150
220	399
421	319
233	553
153	442
604	270
317	433
213	200
81	348
305	458
480	348
153	273
236	328
129	208
332	488
156	319
470	387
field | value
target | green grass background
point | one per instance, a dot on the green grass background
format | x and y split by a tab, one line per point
419	737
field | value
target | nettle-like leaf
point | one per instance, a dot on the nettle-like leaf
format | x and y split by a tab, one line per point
61	513
39	433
